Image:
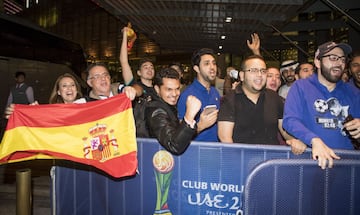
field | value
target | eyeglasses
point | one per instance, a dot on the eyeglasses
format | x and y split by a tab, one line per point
100	76
256	70
333	57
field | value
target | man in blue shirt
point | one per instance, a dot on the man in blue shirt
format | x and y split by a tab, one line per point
204	64
317	107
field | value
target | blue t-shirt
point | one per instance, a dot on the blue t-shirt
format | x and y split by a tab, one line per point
312	111
206	97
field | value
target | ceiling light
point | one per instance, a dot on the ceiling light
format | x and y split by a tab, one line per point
223	37
228	19
220	47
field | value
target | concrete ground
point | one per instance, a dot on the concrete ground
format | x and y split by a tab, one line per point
41	182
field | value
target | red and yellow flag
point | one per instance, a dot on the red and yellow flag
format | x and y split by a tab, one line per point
99	133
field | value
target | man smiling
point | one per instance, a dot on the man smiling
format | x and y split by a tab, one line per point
309	110
161	113
252	113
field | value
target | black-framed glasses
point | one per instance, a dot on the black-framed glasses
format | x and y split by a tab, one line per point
257	70
334	58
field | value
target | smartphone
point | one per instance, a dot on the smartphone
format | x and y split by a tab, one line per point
209	109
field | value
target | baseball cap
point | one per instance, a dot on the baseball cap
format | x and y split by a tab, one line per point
328	46
288	64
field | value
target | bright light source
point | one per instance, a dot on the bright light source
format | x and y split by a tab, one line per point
220	47
228	19
223	37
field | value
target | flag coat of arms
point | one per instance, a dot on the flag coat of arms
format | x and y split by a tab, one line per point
99	133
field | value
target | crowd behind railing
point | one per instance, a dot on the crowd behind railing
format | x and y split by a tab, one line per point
317	106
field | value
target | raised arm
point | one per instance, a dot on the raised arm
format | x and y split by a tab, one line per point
254	44
124	60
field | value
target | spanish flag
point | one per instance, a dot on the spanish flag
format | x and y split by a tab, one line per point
99	133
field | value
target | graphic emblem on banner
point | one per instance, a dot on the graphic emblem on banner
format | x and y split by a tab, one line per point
163	163
100	147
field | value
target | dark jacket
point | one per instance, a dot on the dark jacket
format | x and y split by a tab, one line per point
163	124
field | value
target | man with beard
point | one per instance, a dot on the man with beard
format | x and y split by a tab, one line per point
287	70
204	64
252	113
354	69
308	114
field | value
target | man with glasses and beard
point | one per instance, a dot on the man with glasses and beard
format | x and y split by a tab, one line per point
309	117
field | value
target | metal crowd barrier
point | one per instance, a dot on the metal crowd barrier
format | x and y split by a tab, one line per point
209	178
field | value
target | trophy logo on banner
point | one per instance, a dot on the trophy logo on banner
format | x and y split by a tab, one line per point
163	163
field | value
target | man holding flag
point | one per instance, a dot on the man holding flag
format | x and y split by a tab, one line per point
100	133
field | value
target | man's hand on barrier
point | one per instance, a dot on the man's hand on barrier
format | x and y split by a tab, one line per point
322	153
297	147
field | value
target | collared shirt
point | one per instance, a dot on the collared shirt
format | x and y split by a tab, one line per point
253	123
207	97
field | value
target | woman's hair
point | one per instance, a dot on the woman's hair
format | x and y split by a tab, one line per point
55	97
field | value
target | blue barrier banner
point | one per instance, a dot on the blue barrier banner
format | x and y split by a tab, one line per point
209	178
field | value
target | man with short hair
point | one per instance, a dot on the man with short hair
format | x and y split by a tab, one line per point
21	93
310	113
287	70
273	79
98	79
161	113
252	113
179	68
304	70
204	64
